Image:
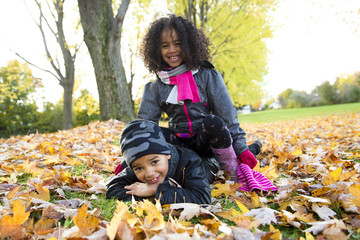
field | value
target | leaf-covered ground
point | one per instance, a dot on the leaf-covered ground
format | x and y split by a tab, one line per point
52	187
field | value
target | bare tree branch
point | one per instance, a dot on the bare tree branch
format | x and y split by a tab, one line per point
51	59
32	64
42	14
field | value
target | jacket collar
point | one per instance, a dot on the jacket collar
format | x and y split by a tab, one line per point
174	161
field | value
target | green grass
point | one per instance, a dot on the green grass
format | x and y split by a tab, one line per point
297	113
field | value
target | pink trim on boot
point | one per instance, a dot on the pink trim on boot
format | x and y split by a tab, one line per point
227	159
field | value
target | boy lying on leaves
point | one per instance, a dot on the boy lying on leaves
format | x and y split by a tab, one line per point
158	169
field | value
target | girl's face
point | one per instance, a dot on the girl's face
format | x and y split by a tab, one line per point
170	48
151	168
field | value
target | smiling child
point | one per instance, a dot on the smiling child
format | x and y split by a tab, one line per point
158	169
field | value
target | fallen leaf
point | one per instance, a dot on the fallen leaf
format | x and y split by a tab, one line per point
265	216
226	189
242	207
86	223
43	193
324	212
14	192
112	228
212	224
245	222
11	225
44	226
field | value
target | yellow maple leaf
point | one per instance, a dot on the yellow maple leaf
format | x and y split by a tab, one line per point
245	222
30	167
50	160
347	175
154	219
255	200
355	191
13	192
242	207
11	225
43	192
332	177
336	173
320	191
86	223
226	189
270	172
297	152
276	233
111	228
228	214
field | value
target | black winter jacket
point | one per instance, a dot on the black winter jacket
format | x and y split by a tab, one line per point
186	168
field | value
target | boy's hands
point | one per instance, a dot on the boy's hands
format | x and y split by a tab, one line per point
142	189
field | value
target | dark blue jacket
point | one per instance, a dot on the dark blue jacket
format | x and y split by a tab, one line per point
192	173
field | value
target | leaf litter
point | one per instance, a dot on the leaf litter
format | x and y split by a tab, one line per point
48	183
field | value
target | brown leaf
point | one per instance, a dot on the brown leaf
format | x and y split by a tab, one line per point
51	213
44	226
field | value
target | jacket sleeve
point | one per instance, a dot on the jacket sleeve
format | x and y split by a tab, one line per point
150	106
195	187
115	188
222	106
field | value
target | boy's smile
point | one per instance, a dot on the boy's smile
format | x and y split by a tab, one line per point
151	168
170	46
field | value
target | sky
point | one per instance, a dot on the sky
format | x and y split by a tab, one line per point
313	44
314	41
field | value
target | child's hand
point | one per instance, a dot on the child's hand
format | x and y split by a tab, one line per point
142	189
247	158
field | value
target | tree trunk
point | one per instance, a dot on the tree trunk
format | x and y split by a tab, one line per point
102	35
69	67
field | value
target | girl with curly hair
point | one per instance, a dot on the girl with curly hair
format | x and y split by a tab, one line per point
193	95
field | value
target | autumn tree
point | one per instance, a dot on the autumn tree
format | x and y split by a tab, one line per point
86	108
298	99
348	88
102	36
326	92
284	97
17	107
50	23
238	30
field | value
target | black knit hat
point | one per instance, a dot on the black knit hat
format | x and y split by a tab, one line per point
140	138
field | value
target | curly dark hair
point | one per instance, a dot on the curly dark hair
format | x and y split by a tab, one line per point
194	43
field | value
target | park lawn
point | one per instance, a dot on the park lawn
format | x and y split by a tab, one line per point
47	182
297	113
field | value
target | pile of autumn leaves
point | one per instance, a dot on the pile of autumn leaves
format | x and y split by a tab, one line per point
314	163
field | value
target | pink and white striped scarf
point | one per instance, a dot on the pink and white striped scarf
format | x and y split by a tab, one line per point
184	84
252	180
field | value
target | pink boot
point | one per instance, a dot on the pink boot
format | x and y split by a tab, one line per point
228	160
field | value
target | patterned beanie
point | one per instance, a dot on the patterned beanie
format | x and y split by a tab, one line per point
140	138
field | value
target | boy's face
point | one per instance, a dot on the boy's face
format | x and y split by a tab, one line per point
170	46
151	168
